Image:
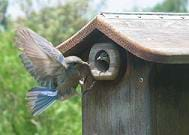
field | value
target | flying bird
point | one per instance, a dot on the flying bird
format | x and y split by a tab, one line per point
57	75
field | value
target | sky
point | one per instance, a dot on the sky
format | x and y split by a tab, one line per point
124	5
111	5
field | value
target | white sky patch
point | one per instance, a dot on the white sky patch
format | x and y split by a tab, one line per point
111	5
128	5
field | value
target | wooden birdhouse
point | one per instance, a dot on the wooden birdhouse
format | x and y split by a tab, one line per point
142	80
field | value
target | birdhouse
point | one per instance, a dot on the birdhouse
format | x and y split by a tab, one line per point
140	65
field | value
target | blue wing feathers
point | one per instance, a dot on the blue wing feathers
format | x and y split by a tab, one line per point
40	98
45	63
40	107
43	105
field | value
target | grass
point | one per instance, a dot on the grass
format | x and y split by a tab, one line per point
63	118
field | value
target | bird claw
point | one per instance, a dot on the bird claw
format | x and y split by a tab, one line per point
92	85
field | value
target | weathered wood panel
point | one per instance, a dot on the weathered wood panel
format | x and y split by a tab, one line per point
154	37
150	99
120	108
170	100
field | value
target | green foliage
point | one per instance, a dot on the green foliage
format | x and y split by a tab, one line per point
171	6
58	23
63	118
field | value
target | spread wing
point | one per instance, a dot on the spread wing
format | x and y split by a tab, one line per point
41	59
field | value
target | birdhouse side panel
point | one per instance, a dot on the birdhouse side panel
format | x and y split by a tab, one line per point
170	99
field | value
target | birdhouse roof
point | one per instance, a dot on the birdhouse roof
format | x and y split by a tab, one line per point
157	37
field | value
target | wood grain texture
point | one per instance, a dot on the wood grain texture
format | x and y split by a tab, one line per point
154	37
150	99
120	108
170	100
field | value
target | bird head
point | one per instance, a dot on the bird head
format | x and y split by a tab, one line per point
103	57
75	64
74	61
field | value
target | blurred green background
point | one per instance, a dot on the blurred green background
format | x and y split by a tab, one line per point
56	22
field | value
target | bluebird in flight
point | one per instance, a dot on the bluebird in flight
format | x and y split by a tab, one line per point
57	75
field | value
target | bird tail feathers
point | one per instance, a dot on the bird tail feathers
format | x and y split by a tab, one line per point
40	98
